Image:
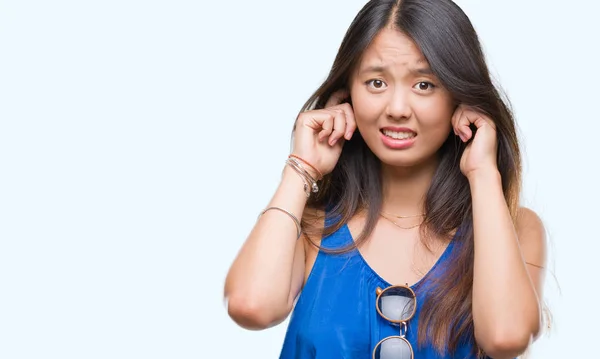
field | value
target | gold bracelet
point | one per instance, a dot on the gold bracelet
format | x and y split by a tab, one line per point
319	174
307	185
309	181
296	221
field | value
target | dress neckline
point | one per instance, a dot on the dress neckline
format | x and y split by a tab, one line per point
417	283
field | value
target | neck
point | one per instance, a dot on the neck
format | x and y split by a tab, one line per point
404	188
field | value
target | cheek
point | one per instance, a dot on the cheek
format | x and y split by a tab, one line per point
435	117
367	109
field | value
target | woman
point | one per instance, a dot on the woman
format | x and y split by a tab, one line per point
405	176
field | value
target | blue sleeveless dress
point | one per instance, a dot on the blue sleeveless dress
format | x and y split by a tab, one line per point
335	316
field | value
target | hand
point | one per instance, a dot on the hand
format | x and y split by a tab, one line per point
480	154
320	134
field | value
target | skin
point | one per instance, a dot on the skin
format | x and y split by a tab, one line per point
272	266
388	90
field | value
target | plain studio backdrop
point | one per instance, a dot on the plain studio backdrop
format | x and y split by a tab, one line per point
139	140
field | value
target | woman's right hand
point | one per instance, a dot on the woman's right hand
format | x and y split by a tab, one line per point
320	134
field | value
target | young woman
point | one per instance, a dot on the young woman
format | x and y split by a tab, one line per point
396	230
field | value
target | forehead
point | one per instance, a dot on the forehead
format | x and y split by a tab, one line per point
392	48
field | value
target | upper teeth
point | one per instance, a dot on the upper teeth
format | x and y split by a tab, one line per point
398	135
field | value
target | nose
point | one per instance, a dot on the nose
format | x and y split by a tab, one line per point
398	107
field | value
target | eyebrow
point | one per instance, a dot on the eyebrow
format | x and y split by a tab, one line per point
414	71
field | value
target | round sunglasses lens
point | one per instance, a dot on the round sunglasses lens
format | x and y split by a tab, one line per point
393	348
397	304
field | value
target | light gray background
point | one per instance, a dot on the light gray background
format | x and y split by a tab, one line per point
140	139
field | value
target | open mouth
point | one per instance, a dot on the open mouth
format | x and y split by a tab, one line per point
398	135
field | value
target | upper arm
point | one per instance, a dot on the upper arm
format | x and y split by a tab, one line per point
297	271
532	241
305	252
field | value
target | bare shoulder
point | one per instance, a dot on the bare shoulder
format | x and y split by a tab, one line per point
532	236
529	223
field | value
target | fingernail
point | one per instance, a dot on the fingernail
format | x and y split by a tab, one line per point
348	135
333	141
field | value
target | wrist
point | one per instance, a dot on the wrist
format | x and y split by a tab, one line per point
484	176
290	194
292	182
309	167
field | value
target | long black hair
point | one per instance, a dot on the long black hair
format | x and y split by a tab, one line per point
451	46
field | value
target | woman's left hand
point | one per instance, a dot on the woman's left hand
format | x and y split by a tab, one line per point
480	154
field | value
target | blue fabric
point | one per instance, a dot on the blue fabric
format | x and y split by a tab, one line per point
335	316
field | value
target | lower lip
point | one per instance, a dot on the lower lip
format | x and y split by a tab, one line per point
397	144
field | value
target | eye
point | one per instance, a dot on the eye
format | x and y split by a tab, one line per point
376	84
425	86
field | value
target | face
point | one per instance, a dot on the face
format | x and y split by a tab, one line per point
401	109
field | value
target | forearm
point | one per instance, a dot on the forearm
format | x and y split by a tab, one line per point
505	305
260	279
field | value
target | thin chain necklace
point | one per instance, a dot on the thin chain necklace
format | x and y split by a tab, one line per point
397	216
399	226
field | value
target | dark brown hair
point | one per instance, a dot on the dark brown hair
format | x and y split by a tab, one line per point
451	46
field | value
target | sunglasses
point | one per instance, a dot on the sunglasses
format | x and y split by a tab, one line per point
396	304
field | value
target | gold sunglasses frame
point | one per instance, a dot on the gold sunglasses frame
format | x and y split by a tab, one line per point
402	323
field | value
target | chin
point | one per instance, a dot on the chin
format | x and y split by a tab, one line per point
405	159
400	163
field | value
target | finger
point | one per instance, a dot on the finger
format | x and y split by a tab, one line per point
314	119
339	127
456	115
336	98
457	122
483	121
326	128
464	125
350	120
